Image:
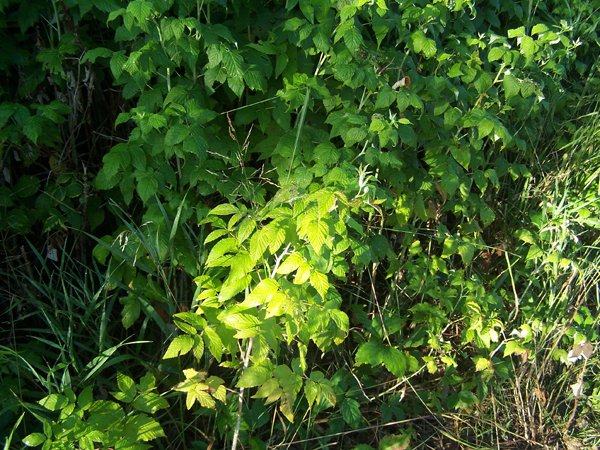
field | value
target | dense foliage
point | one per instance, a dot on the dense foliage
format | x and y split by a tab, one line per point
336	224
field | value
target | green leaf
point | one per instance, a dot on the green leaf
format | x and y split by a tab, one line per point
213	342
486	214
157	121
351	414
353	39
224	209
131	310
254	376
34	439
144	428
246	228
311	391
239	321
395	361
513	347
262	293
539	29
234	284
93	54
462	155
54	402
233	61
528	47
140	9
422	44
371	353
32	128
303	273
26	186
176	134
150	402
496	53
270	389
214	235
466	250
147	185
126	384
319	281
260	241
179	346
385	97
290	264
516	32
511	86
354	135
198	348
217	256
236	85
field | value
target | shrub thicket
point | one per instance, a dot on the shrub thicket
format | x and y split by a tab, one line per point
332	224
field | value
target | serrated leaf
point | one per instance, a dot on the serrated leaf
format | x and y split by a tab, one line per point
220	249
486	214
259	242
147	185
511	86
239	321
214	235
246	228
496	53
224	209
157	121
320	282
232	61
54	402
125	383
140	9
262	293
539	28
302	274
462	155
466	250
34	439
131	311
213	342
93	54
516	32
150	402
254	376
145	428
234	284
482	364
270	390
354	135
395	361
290	264
353	39
385	97
370	353
311	391
236	85
351	414
315	230
198	348
176	134
528	47
179	346
424	45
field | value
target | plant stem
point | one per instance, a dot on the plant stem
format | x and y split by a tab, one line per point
238	422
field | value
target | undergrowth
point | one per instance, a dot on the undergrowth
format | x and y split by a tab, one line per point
302	224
